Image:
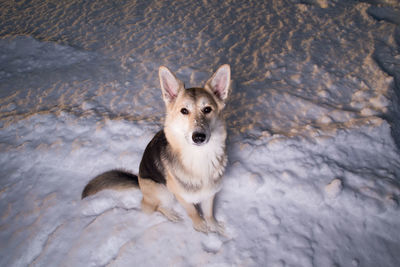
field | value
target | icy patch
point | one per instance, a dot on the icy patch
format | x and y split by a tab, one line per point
21	54
39	75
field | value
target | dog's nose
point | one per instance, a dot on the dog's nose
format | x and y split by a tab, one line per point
198	137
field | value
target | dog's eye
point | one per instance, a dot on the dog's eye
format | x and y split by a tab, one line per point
207	110
184	111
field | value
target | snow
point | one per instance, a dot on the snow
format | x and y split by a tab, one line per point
313	177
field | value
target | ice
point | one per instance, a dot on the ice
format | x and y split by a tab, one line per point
313	130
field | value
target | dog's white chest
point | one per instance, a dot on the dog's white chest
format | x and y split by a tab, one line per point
200	177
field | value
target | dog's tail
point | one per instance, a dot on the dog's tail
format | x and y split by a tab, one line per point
115	179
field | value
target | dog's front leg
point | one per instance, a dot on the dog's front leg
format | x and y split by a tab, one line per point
207	207
198	223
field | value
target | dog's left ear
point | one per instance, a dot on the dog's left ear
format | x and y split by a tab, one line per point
220	82
170	85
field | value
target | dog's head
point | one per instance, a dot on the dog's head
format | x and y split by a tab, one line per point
193	114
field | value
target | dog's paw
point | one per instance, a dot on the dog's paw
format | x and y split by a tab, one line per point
201	226
170	214
216	227
174	217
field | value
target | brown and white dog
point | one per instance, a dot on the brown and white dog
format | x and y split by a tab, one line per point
186	159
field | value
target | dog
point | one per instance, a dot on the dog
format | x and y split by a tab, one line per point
185	160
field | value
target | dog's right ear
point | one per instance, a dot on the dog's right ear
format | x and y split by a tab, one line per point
170	85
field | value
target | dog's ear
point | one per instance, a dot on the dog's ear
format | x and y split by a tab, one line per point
170	85
220	82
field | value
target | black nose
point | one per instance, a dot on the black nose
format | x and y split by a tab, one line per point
198	138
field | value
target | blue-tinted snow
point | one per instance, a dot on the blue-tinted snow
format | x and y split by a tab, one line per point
314	172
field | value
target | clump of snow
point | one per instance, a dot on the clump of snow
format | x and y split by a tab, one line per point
333	189
213	244
313	121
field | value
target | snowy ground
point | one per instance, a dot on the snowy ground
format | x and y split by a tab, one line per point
314	171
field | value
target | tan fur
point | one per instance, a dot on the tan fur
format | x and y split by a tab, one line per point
192	157
196	176
157	198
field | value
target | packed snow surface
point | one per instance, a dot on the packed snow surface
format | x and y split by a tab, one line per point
313	120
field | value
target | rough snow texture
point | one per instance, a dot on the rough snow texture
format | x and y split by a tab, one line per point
314	171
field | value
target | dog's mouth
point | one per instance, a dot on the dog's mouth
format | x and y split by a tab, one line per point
200	138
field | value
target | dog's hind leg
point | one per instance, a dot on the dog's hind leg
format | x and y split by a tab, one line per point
156	197
150	207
